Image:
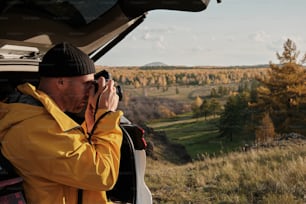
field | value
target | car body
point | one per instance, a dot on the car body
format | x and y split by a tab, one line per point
30	28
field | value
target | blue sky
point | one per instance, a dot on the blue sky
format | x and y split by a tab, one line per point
235	32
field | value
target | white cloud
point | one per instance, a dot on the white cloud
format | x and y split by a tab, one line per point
133	37
213	38
147	36
260	36
161	38
160	45
197	49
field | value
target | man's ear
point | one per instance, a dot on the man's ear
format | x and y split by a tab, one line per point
60	83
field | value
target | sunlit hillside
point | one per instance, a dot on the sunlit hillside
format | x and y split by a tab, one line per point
272	175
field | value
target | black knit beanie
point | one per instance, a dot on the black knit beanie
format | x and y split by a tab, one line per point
65	60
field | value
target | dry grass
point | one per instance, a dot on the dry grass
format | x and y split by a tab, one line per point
273	175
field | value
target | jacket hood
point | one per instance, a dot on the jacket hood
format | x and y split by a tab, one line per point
32	104
14	113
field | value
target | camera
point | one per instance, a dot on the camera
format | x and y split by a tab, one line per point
107	77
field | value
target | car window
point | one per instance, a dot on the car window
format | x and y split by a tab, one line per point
73	12
87	11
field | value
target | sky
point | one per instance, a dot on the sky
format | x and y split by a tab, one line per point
234	32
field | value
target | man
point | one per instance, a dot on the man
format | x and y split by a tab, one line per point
57	157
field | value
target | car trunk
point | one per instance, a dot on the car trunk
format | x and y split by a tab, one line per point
89	25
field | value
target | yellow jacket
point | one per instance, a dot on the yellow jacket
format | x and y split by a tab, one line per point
52	152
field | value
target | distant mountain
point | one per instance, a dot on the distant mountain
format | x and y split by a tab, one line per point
155	64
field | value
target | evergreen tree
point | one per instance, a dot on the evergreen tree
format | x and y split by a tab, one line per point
243	86
205	111
220	90
213	93
253	91
177	91
233	118
214	107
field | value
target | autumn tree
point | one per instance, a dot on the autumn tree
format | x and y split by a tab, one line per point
265	130
282	93
290	54
164	111
195	106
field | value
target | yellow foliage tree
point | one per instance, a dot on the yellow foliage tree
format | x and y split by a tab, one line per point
195	106
265	131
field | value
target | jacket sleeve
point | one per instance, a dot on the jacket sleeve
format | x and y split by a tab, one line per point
67	157
107	139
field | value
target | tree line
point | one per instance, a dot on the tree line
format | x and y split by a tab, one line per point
189	76
274	105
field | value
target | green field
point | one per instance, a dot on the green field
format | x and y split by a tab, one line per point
199	136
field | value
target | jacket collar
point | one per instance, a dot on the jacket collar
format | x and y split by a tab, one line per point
64	121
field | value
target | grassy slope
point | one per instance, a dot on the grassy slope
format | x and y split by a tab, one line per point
275	175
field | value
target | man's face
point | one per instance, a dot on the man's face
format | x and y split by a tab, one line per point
76	92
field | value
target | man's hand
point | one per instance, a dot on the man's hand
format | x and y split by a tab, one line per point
105	98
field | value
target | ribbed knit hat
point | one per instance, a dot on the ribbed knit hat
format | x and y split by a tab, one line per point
65	60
